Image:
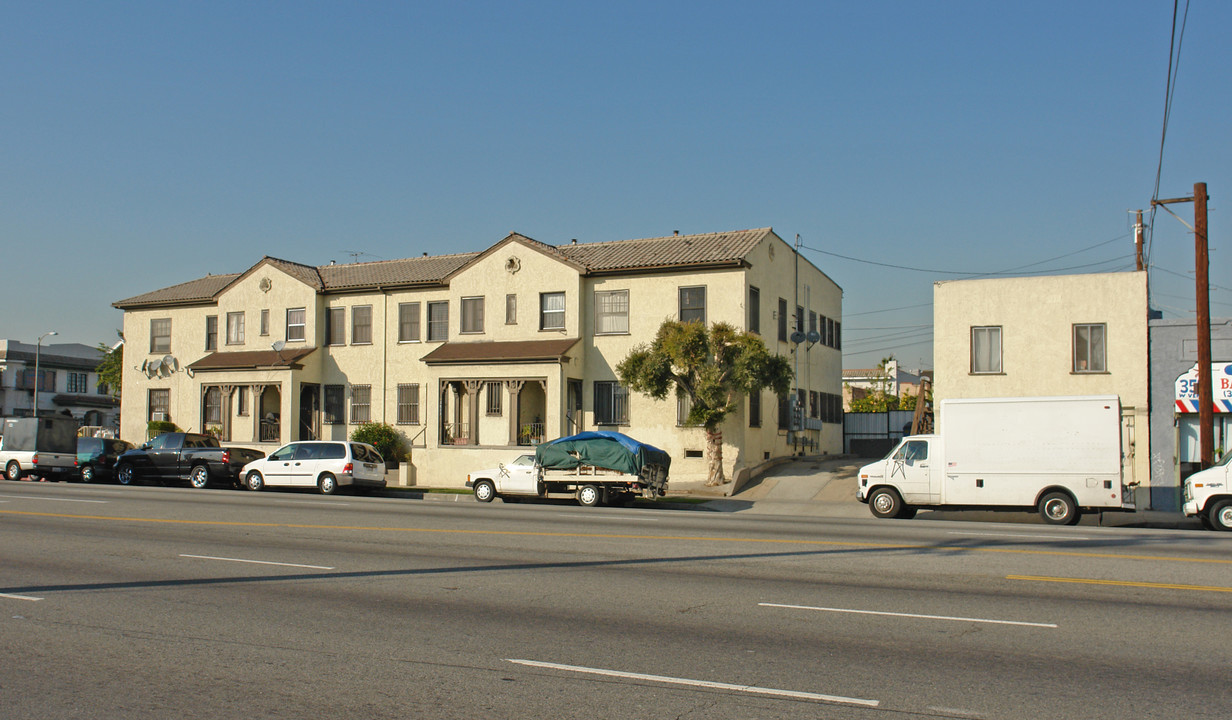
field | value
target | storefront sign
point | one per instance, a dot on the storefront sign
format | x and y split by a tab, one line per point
1221	389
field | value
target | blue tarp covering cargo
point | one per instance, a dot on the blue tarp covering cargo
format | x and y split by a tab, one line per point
604	449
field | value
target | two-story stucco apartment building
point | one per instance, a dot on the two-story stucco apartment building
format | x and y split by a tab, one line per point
1050	335
475	356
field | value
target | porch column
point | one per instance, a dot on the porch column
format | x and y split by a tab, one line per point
515	388
258	402
228	394
442	416
472	407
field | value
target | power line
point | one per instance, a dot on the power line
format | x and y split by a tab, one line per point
894	309
1174	49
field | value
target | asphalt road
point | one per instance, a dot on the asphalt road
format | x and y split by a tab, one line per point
168	602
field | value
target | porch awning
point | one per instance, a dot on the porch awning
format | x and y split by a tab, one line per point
98	401
251	359
490	353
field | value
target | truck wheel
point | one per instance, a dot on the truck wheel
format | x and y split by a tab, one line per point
589	496
886	503
199	477
13	471
485	491
1058	508
327	484
87	474
254	481
1221	515
125	475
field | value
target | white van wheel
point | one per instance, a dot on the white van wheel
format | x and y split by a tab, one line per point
254	481
1058	508
1221	515
885	503
327	484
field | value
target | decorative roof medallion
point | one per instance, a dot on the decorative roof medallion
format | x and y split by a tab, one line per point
265	284
513	265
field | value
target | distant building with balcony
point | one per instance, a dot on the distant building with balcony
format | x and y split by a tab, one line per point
67	383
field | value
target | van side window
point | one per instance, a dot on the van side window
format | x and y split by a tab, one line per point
916	450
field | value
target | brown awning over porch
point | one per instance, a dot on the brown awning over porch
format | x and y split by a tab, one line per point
489	353
252	359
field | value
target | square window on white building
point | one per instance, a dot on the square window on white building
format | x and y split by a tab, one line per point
1089	348
986	350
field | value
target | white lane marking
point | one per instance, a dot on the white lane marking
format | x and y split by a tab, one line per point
910	615
256	562
1032	537
41	497
19	597
955	711
794	694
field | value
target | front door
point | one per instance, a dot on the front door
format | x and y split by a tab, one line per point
309	412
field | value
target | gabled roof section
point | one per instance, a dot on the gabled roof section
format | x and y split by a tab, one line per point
425	270
711	249
520	239
200	291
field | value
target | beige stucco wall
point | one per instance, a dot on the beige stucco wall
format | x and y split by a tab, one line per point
1036	316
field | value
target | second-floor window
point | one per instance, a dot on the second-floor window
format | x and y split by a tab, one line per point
612	312
361	325
511	309
693	304
552	311
986	350
335	326
235	328
438	321
472	315
264	323
782	318
78	383
754	310
408	322
295	324
160	335
1089	348
211	333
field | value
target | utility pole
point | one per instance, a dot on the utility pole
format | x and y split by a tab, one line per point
1138	240
1202	299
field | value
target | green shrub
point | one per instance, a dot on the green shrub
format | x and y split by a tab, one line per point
382	436
154	428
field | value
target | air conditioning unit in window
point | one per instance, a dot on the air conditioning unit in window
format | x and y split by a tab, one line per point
158	416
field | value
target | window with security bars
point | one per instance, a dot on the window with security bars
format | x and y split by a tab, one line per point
333	406
493	391
361	404
611	403
408	404
612	312
693	304
159	404
1090	348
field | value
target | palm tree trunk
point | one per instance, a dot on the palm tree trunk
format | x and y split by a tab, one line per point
714	454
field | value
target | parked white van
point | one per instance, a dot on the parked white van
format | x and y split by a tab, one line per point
323	464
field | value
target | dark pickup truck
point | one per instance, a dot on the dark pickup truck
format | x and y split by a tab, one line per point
178	456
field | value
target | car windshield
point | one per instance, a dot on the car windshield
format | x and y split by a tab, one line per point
1224	460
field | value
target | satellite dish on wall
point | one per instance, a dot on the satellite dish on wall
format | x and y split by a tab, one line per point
171	363
814	337
279	345
797	337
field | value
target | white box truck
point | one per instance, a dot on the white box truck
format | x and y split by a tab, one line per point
1058	455
1208	495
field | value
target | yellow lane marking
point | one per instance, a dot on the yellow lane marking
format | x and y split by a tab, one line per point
619	536
1121	583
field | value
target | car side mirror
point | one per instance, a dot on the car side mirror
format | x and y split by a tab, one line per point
145	446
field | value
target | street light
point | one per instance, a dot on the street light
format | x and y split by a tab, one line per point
38	348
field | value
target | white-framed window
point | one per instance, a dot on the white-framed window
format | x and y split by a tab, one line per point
611	403
511	309
684	406
986	350
295	324
438	321
235	328
611	312
693	304
361	325
264	323
361	404
552	311
408	403
408	322
472	315
1090	348
160	335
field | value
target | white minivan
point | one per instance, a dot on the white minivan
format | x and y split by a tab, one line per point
323	464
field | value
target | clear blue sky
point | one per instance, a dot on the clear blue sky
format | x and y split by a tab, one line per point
145	144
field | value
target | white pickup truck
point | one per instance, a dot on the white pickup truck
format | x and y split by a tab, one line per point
594	467
45	447
1208	495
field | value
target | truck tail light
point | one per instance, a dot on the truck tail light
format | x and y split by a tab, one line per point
34	458
226	456
350	468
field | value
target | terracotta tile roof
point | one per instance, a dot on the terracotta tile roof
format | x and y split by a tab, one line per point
498	352
647	254
200	290
671	251
250	359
